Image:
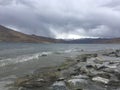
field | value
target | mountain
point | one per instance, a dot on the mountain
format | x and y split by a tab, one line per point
9	35
95	41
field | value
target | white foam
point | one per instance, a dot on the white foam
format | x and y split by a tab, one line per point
8	78
3	83
23	58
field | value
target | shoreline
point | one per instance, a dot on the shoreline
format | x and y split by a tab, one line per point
89	71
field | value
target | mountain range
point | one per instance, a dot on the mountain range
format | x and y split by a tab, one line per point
9	35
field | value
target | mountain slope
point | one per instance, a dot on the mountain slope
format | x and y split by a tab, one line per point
9	35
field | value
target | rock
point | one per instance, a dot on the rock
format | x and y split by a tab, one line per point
95	55
82	50
59	69
84	70
98	61
92	73
29	83
112	66
89	66
83	59
43	55
100	79
105	75
112	54
40	80
77	69
114	83
90	55
100	67
117	74
115	53
77	83
78	60
109	65
22	88
59	85
21	81
118	50
61	79
111	62
33	84
74	73
80	77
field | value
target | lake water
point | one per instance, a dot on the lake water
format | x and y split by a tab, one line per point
17	59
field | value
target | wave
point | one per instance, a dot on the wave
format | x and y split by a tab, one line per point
66	51
23	58
36	56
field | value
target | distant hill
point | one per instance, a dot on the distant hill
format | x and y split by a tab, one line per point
9	35
95	41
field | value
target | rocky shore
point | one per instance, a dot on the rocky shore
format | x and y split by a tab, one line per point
98	70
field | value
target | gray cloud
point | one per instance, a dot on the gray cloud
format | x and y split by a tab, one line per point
62	18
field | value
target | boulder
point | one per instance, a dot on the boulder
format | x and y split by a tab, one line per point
100	79
59	85
77	84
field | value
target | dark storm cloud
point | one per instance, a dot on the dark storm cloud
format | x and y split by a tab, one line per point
62	18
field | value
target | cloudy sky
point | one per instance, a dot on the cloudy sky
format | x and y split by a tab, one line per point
62	18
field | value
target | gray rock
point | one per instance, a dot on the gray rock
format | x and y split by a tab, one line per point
22	88
59	85
104	75
115	53
98	61
80	77
43	55
40	80
100	79
33	83
114	83
89	66
77	83
61	79
100	67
